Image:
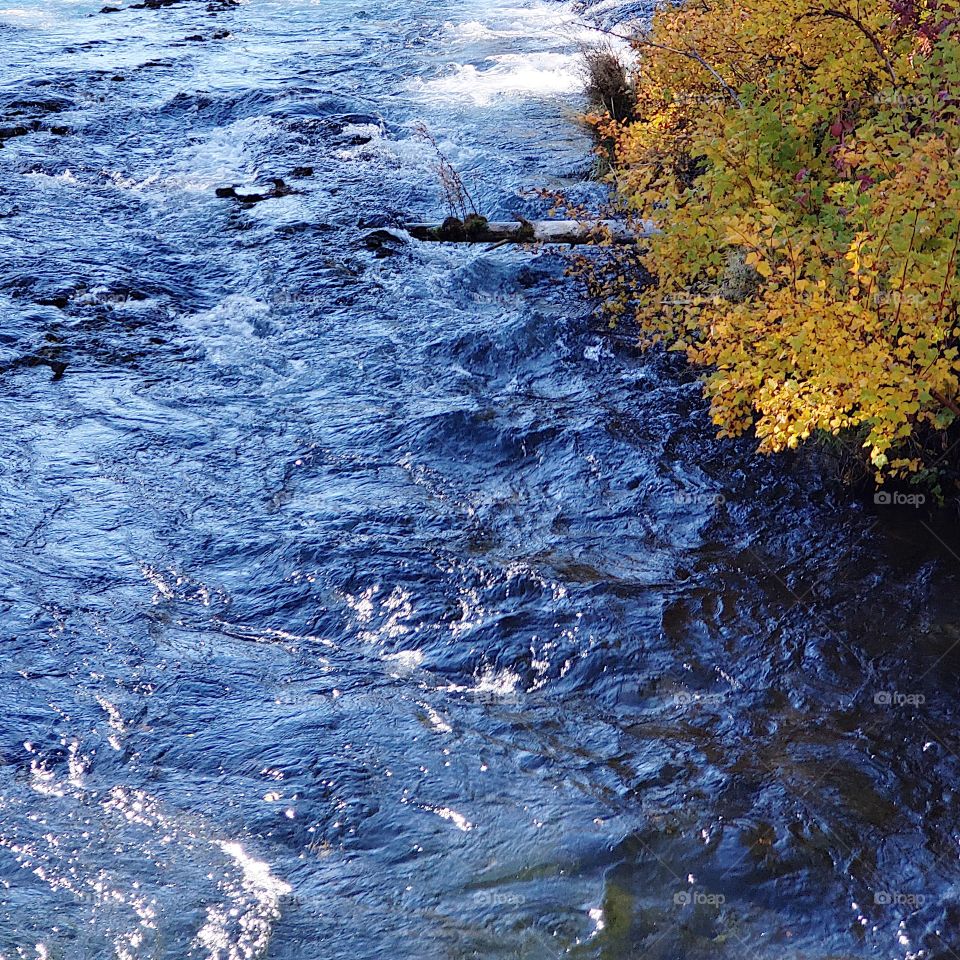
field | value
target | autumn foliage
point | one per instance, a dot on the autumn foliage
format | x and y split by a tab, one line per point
803	159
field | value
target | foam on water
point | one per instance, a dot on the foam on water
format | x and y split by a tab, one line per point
228	329
551	66
508	75
28	18
537	23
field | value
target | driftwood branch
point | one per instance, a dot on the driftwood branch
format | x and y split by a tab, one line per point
531	231
386	241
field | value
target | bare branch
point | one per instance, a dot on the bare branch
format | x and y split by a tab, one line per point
865	30
458	197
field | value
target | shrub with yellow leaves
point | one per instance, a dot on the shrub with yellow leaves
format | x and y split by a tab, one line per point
803	159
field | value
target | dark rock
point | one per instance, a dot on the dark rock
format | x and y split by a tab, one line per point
384	243
251	198
279	189
28	106
38	360
293	229
8	133
60	301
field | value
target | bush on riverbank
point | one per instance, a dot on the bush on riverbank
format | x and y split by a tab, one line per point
803	157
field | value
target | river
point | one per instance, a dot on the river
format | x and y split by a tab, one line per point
362	607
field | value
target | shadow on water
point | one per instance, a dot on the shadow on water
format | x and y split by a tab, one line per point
365	607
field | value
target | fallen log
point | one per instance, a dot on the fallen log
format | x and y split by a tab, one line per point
480	230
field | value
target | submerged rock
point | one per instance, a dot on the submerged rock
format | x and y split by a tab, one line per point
8	133
250	195
384	243
39	359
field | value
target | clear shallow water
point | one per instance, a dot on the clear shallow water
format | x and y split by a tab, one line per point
362	608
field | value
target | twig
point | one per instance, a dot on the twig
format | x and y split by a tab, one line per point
455	190
951	405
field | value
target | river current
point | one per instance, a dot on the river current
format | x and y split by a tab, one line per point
361	606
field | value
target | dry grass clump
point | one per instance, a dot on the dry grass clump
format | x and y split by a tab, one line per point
609	84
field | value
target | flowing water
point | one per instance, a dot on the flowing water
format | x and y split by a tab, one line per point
361	606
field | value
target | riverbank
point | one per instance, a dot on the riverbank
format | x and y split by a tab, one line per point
803	161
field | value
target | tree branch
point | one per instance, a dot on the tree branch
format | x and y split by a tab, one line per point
865	30
642	40
951	405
